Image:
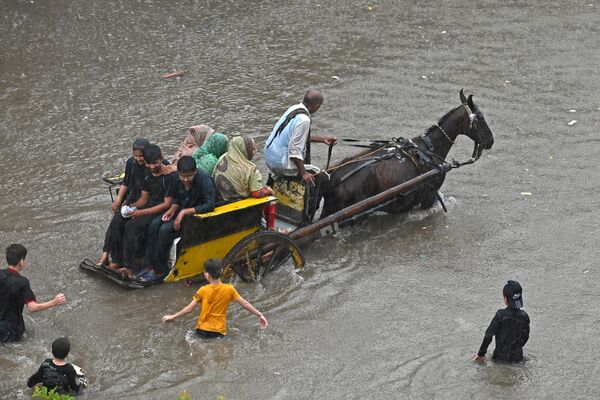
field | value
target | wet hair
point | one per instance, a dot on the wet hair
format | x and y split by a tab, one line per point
15	253
152	153
214	267
312	98
61	348
139	144
186	164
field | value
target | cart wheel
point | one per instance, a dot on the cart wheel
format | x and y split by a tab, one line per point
259	254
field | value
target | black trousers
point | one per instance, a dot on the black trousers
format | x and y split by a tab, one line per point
113	239
8	333
208	334
135	238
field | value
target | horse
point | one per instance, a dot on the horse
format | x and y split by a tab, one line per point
391	164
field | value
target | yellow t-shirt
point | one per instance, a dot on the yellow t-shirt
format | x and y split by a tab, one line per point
214	299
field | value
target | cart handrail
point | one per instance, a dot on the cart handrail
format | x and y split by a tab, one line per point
237	205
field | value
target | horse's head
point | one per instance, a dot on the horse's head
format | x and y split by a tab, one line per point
475	126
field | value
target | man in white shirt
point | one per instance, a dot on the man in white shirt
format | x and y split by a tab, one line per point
287	150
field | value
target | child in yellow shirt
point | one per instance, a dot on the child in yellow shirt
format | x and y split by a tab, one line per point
214	299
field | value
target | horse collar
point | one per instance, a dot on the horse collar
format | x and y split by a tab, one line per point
445	134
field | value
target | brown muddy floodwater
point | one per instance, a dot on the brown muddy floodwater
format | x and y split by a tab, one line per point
393	308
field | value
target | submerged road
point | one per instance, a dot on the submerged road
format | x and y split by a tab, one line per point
393	308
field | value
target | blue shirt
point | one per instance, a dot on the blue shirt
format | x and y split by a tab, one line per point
290	143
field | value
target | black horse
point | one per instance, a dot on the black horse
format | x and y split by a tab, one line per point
388	165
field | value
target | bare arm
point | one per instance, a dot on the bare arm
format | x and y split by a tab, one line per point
142	200
324	139
120	197
306	176
184	311
34	306
261	318
170	212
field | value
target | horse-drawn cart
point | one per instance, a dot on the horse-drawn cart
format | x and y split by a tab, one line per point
235	232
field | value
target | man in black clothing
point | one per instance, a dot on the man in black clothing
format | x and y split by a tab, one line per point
194	193
510	326
15	293
56	373
158	189
130	191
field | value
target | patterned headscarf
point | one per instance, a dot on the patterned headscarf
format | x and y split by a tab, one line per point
235	175
195	138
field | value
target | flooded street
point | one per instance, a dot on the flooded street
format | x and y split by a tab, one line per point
393	308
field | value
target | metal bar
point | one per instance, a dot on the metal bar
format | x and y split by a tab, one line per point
363	205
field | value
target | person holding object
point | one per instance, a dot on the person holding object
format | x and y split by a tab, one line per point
287	149
15	293
56	373
129	192
214	300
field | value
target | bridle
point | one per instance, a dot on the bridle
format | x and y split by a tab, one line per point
472	118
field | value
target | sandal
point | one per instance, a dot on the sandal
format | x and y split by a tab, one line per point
148	277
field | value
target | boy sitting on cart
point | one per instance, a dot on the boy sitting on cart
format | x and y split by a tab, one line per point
194	193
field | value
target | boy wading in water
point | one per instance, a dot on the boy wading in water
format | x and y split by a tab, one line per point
510	326
15	294
214	299
56	373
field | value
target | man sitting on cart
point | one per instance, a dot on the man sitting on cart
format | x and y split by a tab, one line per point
287	150
194	194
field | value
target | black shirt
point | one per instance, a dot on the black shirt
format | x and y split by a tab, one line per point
61	377
15	292
159	187
201	195
511	329
134	176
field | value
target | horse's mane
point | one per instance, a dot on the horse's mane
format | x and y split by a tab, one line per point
441	120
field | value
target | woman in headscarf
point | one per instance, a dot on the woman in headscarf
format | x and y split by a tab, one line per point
208	154
195	138
237	177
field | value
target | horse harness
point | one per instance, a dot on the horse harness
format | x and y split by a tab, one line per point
398	148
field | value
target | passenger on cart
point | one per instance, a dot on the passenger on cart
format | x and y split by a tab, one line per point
208	154
158	189
287	149
129	192
194	194
237	177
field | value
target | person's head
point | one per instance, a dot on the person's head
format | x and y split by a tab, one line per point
186	167
312	100
15	256
153	158
214	268
61	348
200	133
513	295
138	150
244	145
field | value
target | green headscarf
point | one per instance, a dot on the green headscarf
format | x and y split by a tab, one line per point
235	175
208	154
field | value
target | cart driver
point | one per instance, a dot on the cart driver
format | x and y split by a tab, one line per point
287	150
